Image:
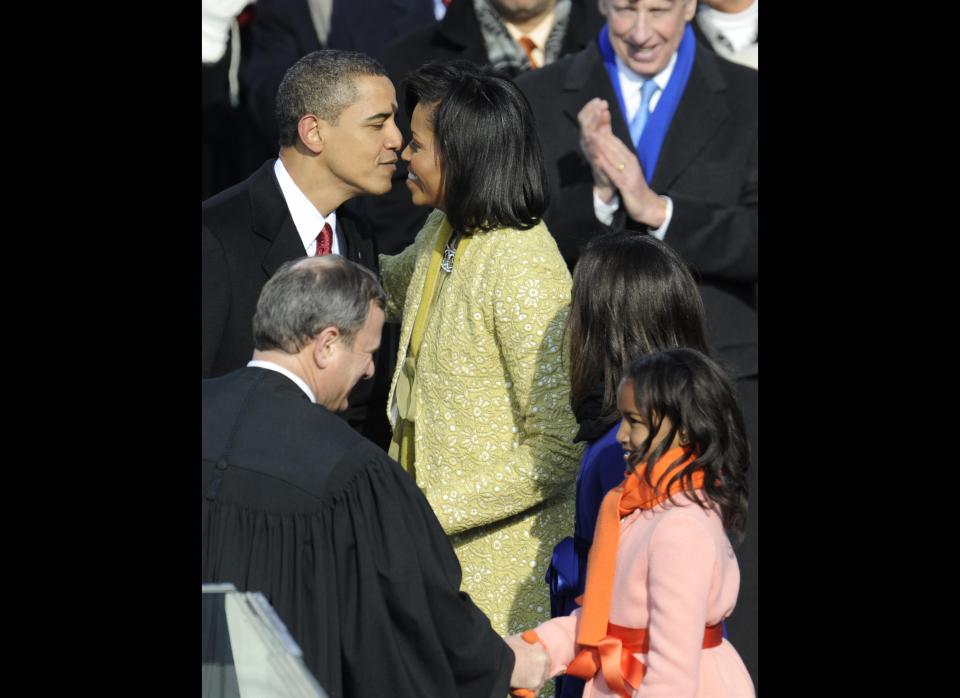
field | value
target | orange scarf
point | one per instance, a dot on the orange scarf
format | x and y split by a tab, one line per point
594	635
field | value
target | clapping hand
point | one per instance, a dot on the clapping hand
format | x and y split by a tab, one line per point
615	166
594	121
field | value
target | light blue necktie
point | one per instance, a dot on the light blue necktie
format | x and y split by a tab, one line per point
640	118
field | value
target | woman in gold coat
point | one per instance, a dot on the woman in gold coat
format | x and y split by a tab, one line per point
480	400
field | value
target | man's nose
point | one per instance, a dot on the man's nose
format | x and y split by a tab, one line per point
394	138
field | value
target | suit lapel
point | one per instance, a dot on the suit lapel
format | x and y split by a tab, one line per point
272	220
348	237
586	79
356	248
698	117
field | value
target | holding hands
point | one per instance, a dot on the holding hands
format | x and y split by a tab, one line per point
531	668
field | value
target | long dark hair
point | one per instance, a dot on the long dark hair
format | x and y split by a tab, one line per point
696	395
632	295
493	170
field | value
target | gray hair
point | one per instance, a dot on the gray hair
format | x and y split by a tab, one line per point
321	83
309	294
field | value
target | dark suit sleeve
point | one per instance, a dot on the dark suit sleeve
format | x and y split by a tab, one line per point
215	299
716	240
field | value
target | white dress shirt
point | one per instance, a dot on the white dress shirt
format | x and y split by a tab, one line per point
733	35
308	220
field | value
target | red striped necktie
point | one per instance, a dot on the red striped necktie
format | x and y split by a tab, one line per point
324	241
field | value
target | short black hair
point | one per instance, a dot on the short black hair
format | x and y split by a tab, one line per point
322	83
486	138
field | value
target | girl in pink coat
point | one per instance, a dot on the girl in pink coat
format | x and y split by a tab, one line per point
662	574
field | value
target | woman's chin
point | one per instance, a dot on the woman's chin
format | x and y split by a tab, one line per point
415	194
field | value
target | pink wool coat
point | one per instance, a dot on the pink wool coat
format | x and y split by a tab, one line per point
676	573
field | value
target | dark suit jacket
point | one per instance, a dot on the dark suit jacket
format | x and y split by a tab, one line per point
247	234
457	35
343	544
708	166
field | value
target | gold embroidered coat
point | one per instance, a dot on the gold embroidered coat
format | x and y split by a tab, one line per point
494	431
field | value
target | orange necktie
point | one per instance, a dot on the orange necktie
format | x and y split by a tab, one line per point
527	44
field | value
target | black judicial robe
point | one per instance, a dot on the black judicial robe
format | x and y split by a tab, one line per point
346	548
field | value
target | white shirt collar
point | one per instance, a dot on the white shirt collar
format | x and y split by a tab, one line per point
308	220
739	29
630	84
270	366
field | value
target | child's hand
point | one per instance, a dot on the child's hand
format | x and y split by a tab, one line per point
532	666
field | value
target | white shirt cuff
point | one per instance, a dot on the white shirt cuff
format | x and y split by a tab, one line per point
213	38
216	18
662	230
603	211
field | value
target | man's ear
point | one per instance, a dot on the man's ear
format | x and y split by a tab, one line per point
325	345
312	132
690	10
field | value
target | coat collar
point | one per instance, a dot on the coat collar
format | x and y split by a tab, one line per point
272	221
586	79
701	112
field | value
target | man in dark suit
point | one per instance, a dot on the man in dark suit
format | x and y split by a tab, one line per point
333	532
647	130
338	138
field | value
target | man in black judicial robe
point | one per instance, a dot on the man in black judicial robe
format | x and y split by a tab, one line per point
299	506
